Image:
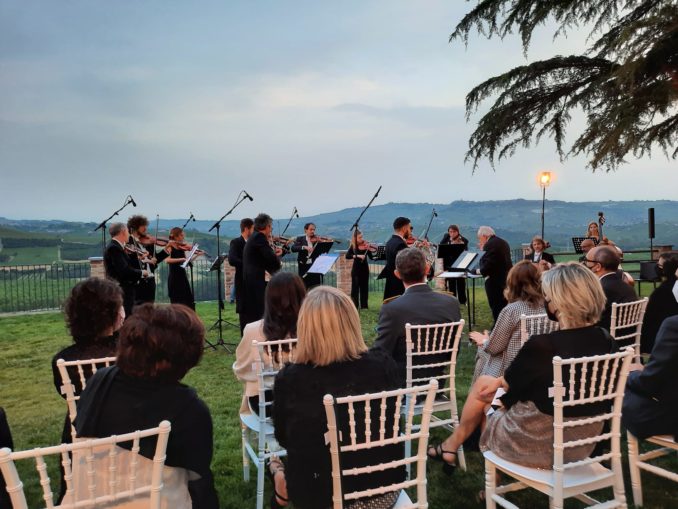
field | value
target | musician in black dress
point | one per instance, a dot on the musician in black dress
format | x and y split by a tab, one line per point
178	287
258	258
235	253
457	285
402	230
120	267
359	251
304	246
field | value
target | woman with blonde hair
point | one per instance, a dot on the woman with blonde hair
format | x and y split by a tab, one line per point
497	349
331	358
522	430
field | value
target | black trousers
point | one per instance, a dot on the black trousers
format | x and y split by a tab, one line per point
310	280
458	287
494	288
360	287
128	298
145	292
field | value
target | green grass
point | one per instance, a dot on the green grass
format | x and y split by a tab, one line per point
36	411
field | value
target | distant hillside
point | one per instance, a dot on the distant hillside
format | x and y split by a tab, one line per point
515	220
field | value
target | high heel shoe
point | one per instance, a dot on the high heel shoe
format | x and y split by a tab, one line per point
438	455
272	469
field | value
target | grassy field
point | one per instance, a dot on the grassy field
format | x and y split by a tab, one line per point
36	411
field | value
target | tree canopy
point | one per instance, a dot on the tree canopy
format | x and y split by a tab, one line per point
625	83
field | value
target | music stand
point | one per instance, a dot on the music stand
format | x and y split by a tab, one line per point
320	249
322	264
380	253
576	242
450	252
216	266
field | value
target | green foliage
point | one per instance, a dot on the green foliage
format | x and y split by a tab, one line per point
625	83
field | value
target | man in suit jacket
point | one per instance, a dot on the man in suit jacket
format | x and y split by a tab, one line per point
494	266
235	254
120	267
402	230
418	305
604	262
457	285
258	258
305	258
651	400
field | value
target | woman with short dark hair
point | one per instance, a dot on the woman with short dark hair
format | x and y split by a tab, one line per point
157	347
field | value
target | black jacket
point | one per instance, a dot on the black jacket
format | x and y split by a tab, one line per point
616	290
235	255
258	258
661	305
547	257
120	266
393	286
496	262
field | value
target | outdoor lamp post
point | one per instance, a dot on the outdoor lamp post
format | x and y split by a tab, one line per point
544	181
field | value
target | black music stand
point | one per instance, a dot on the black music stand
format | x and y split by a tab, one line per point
322	264
320	248
380	253
218	324
450	252
467	262
576	242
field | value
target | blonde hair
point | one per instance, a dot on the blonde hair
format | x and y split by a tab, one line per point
328	328
575	293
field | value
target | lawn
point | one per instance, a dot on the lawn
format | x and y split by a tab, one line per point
36	411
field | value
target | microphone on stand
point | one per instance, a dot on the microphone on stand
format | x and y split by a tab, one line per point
192	218
247	195
134	204
296	212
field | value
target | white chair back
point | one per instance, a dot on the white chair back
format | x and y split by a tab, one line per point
85	483
374	433
531	325
72	388
627	321
273	355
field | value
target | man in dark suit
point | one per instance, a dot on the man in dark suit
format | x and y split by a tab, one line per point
651	400
235	254
120	267
137	226
402	230
258	258
604	262
418	305
304	246
494	266
457	285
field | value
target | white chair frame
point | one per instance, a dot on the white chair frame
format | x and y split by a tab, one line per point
397	435
256	422
422	341
531	325
574	479
68	388
640	461
628	316
116	492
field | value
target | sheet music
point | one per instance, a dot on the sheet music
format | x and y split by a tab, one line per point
189	256
466	260
323	264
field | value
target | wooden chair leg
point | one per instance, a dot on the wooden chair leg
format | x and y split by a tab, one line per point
490	484
636	483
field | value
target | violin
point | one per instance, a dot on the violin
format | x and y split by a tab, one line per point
367	246
318	238
417	242
132	249
182	246
149	240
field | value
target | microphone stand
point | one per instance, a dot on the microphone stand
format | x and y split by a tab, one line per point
294	213
357	221
217	263
102	224
433	214
190	265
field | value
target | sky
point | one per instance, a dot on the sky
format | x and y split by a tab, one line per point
302	103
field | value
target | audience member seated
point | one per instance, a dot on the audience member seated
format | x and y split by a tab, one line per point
651	400
331	358
93	313
497	349
586	246
662	303
157	347
539	255
604	263
419	305
284	295
522	429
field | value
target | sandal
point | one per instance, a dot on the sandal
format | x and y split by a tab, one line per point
274	466
436	452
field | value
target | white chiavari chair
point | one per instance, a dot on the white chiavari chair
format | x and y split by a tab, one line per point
531	325
626	323
640	461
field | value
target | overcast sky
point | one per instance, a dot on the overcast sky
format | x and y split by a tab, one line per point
311	104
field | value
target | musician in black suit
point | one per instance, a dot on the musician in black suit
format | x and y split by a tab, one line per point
494	266
457	285
258	258
418	305
235	254
137	226
120	267
539	255
651	400
304	246
604	262
402	230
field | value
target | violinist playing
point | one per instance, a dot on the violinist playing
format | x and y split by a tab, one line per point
178	287
143	257
456	285
359	251
304	246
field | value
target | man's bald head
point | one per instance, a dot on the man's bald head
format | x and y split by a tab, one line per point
606	256
587	245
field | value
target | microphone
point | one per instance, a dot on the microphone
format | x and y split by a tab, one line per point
192	218
247	195
435	214
600	214
296	212
134	204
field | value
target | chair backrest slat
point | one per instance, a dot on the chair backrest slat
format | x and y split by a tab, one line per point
626	322
531	325
273	355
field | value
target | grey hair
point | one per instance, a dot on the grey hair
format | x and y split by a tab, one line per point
116	228
485	231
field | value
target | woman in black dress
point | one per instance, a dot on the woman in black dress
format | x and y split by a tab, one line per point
359	251
178	287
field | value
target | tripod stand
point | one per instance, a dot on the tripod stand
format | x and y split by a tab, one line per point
216	265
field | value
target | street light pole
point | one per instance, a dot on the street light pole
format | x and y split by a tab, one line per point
544	181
